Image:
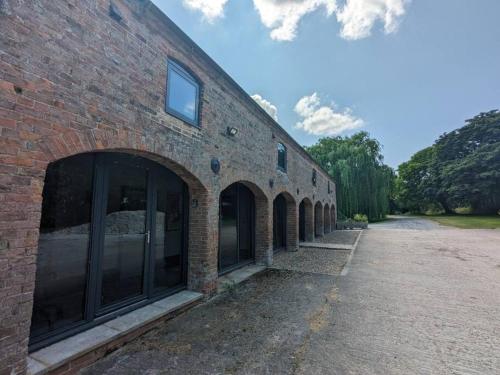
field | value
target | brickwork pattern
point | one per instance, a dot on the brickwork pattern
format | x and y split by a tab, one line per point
73	80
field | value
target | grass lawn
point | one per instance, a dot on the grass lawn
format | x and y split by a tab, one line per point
468	221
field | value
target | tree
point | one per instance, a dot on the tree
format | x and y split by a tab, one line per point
462	168
416	182
468	162
364	183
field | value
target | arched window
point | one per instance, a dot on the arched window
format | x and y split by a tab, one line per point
112	235
183	92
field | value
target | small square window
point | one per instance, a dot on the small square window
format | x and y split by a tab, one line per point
182	94
282	162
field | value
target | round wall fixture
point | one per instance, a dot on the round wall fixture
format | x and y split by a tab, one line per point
215	165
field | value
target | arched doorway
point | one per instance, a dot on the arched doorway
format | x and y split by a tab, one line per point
284	223
112	237
236	227
326	216
306	230
318	219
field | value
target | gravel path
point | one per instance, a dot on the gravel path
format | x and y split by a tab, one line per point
347	237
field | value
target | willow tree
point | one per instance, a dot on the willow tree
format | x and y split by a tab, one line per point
364	183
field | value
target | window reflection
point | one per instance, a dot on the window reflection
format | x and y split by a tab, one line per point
282	156
63	245
168	233
125	223
182	94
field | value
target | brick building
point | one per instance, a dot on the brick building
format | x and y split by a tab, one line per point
131	167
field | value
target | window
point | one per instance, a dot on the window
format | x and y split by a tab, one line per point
182	94
113	236
282	157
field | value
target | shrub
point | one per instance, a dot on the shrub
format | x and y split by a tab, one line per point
361	217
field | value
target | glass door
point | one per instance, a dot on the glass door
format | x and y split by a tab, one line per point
125	232
302	222
97	254
279	223
236	227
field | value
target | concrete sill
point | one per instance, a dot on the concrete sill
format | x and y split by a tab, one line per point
63	352
327	246
238	276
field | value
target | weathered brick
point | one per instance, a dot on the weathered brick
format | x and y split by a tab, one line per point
66	94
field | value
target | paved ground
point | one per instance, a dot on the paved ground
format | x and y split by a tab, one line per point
424	300
406	222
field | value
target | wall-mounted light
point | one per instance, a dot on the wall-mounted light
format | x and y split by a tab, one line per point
215	165
231	131
271	183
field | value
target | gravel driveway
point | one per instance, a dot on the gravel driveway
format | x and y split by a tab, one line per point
424	300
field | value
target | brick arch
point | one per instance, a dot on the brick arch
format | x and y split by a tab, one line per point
69	143
326	220
318	219
263	223
202	270
200	275
306	209
292	222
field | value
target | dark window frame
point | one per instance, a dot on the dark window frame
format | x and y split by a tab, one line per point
94	314
173	66
239	264
283	168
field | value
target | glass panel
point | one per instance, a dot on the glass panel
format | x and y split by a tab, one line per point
279	222
246	204
63	246
302	222
125	223
281	156
228	244
168	232
182	94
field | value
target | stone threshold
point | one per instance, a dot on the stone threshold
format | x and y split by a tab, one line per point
63	353
329	246
238	276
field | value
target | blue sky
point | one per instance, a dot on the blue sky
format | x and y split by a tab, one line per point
405	71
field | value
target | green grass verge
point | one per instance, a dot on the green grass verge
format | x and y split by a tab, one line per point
468	221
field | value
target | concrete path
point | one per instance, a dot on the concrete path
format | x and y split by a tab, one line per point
424	300
406	222
415	301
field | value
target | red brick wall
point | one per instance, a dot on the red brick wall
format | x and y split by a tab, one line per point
72	80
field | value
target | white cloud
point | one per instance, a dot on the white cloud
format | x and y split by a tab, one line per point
324	120
211	9
283	16
359	16
267	106
356	17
